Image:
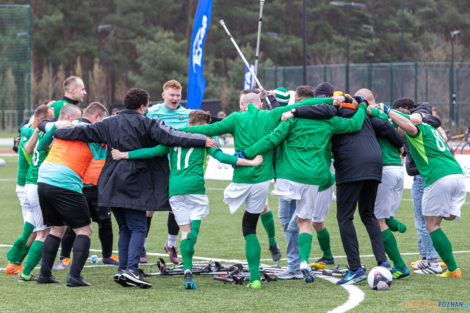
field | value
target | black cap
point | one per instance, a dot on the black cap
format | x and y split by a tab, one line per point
324	90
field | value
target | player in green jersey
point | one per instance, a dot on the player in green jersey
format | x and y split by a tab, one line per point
74	92
250	185
40	152
187	194
389	193
303	165
20	248
444	191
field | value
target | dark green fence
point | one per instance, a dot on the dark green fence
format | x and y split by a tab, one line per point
15	65
423	82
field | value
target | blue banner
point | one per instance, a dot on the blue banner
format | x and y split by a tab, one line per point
248	78
196	81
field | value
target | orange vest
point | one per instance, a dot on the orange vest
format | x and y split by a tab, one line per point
93	172
74	154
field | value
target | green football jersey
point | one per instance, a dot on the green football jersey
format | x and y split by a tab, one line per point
303	154
187	166
390	153
247	128
24	159
41	150
431	155
57	106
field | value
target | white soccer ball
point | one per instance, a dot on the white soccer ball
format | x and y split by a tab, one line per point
380	278
2	162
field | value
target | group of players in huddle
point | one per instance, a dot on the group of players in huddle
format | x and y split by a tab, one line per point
62	153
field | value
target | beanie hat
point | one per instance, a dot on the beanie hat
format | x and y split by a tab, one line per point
324	90
282	96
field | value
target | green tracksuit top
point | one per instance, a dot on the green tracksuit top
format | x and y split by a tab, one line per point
303	155
247	128
431	155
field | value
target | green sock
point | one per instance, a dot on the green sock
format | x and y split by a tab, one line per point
305	246
187	245
34	256
391	247
24	253
323	237
395	225
268	223
253	256
15	253
444	248
187	251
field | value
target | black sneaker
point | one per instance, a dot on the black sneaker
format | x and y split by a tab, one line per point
326	261
47	280
136	277
188	280
121	280
275	252
76	281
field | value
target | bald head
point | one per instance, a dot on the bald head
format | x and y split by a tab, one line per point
252	98
366	93
70	112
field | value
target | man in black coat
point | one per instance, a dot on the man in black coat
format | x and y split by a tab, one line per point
130	187
358	171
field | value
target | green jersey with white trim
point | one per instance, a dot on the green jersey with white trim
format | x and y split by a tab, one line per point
431	155
303	154
247	128
187	166
41	150
24	159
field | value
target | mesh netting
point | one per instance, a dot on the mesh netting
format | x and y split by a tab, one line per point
419	81
14	65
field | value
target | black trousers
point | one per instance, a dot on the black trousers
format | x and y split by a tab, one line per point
362	193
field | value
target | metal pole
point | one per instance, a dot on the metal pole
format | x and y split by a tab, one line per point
304	42
348	12
244	60
277	61
371	56
451	83
402	52
260	24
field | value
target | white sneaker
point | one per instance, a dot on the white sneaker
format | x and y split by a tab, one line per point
309	275
421	264
429	268
290	274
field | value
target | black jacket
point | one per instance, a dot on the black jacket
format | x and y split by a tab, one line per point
357	156
132	184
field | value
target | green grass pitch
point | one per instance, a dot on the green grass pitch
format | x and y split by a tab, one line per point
221	237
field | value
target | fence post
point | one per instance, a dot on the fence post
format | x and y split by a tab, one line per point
426	98
28	51
457	104
391	83
416	82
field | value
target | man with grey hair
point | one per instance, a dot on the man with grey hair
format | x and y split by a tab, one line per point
250	185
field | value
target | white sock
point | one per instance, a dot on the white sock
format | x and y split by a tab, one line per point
145	244
172	240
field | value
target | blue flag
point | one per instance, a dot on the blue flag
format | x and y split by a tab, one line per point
248	78
196	81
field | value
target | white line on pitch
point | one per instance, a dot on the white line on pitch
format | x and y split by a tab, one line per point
244	261
355	297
